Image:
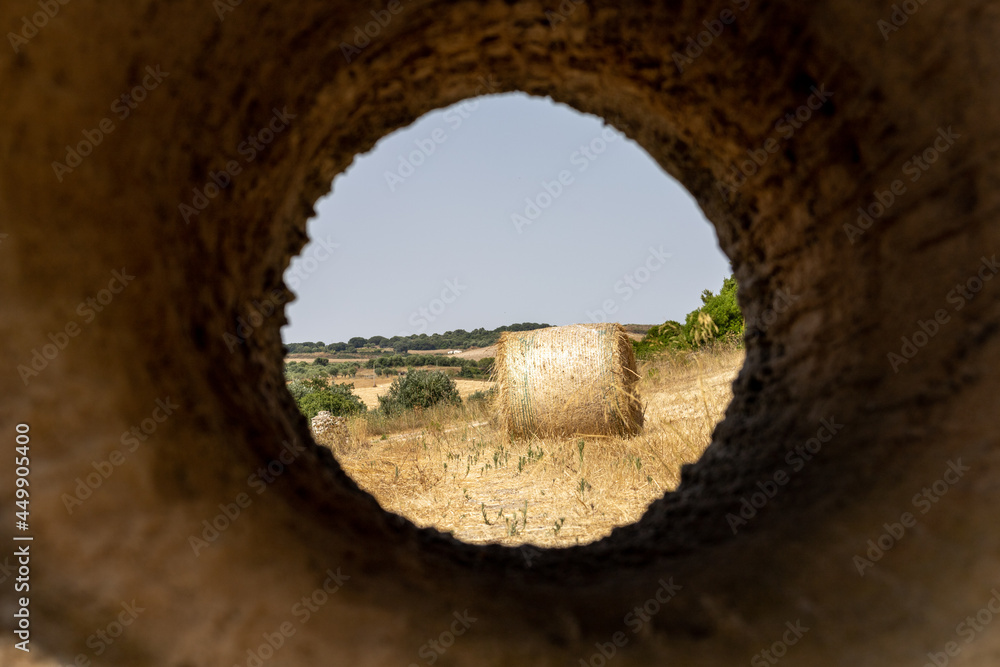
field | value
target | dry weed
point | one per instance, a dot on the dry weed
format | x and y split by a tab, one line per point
454	469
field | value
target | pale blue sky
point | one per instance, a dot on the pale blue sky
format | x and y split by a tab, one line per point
437	249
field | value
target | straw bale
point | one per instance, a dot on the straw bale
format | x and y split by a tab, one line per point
572	380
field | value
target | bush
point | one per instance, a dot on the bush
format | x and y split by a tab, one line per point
719	318
724	310
298	389
314	395
482	397
422	389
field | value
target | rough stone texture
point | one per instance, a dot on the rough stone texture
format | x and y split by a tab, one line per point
824	357
333	428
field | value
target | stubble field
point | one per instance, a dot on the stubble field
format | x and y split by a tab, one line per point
454	469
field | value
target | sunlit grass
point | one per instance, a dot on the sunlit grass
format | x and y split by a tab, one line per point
453	468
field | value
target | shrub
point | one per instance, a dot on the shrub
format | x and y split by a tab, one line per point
303	370
314	394
482	397
421	389
723	309
298	389
719	318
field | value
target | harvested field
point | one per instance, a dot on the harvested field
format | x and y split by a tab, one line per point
369	394
456	470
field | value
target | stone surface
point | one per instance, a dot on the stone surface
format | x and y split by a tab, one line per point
198	327
325	424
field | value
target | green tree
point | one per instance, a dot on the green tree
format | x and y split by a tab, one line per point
724	310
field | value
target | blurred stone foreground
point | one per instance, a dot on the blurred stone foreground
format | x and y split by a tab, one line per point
325	424
159	162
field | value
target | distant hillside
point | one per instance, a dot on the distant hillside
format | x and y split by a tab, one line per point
460	339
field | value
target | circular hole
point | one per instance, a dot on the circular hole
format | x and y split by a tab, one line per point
506	212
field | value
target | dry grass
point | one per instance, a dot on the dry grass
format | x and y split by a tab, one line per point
455	470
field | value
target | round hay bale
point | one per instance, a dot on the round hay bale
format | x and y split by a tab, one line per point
573	380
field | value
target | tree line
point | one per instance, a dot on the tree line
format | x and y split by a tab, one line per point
387	365
459	339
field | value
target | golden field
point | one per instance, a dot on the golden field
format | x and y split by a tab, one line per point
453	468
